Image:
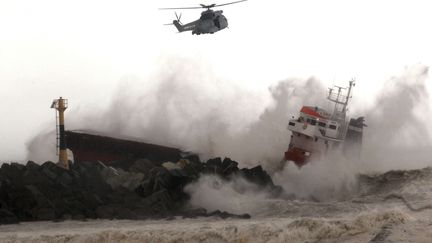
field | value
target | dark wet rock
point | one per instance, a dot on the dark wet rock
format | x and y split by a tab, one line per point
44	214
7	217
32	165
13	172
229	167
141	166
258	176
194	213
33	176
193	158
224	215
214	166
106	211
201	212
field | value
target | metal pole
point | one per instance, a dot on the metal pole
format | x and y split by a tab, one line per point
60	105
63	158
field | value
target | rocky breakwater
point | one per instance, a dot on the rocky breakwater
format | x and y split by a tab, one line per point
137	189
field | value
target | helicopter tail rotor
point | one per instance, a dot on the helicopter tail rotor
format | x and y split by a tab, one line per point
178	17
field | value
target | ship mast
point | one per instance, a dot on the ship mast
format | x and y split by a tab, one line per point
337	96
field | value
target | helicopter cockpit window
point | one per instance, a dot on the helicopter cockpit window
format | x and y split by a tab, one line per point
217	22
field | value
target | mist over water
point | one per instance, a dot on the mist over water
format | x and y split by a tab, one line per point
399	132
190	108
236	196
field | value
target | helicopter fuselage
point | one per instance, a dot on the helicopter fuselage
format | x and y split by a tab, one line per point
209	23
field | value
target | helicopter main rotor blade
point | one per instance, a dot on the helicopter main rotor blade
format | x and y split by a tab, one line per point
223	4
180	8
205	6
208	6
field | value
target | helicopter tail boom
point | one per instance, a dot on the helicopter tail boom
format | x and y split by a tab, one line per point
184	27
177	24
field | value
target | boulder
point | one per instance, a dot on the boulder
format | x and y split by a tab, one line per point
32	165
224	215
201	212
258	176
229	167
14	173
213	166
44	214
7	217
141	166
114	212
127	180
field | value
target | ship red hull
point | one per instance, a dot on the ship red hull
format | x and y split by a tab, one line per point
298	156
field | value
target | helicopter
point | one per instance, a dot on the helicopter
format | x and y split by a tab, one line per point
209	22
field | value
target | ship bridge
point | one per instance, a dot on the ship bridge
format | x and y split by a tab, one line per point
315	122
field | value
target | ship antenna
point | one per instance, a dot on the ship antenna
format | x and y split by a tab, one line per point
341	101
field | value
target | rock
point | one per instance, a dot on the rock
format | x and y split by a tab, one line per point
5	187
194	213
114	212
225	215
171	166
201	212
38	197
20	202
44	214
65	178
117	178
33	176
141	166
124	213
214	166
91	200
14	172
49	169
76	208
192	170
32	165
155	182
258	176
229	167
7	217
91	179
160	202
105	212
191	157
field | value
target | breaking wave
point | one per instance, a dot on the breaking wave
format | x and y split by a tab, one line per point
268	230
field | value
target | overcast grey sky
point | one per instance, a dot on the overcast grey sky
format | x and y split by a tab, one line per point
85	50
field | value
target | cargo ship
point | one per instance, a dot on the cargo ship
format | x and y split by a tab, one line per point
316	131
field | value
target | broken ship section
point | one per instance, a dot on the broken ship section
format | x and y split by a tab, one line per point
316	131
